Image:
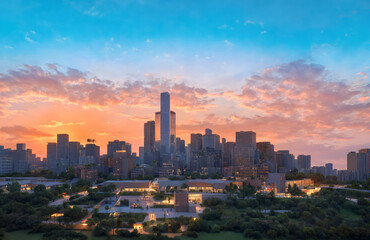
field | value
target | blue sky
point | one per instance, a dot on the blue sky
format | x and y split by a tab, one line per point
194	39
295	72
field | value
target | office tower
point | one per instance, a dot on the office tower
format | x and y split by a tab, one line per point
141	154
245	147
284	161
228	154
304	162
328	169
51	150
189	155
62	152
362	172
123	164
352	161
267	155
114	146
92	153
149	142
366	153
319	169
180	146
165	123
196	142
6	161
173	132
19	157
246	138
211	141
74	153
157	130
21	146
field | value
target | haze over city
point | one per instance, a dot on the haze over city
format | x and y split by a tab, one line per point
96	70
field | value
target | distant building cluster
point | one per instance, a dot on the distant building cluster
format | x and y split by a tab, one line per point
166	155
19	160
358	166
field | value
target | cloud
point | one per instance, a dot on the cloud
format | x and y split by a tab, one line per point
148	41
228	43
308	103
72	86
8	47
223	26
263	32
55	124
21	132
29	35
92	11
249	22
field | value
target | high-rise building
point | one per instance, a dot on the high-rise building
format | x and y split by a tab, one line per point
123	164
19	157
211	141
366	153
362	166
245	147
328	169
6	161
165	123
62	152
157	130
267	155
74	153
246	138
180	146
114	146
352	161
228	154
173	132
196	142
51	150
284	161
304	162
21	146
92	153
149	142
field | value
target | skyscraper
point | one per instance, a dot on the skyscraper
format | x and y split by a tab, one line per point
328	169
51	150
114	146
352	161
304	162
173	132
149	141
211	141
165	123
74	153
245	147
62	152
158	130
267	155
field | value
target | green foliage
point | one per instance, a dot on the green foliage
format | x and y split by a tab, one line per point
125	202
295	191
73	214
13	187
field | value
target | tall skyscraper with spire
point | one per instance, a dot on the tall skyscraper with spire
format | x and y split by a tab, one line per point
165	123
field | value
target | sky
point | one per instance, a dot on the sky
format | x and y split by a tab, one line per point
295	72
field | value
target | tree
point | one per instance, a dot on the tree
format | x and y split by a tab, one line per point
13	187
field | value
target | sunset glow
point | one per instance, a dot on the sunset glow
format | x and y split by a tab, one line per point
302	85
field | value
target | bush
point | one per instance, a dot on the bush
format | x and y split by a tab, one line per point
190	234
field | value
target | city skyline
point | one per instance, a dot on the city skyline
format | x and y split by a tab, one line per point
301	85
